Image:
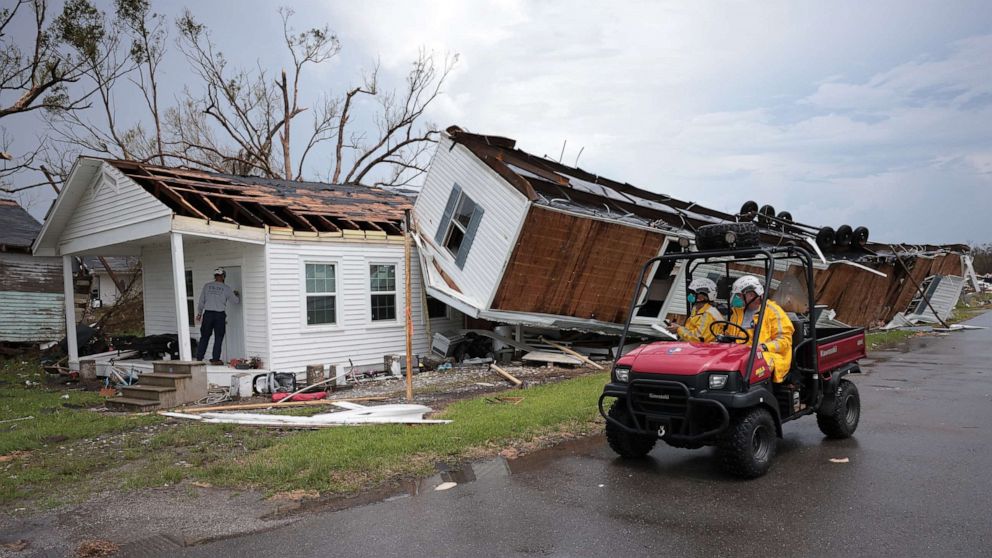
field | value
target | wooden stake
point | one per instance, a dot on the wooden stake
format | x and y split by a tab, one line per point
579	356
516	382
409	314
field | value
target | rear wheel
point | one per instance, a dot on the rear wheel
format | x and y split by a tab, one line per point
627	444
839	417
749	445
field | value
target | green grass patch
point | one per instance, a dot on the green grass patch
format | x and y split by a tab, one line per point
338	460
882	339
60	415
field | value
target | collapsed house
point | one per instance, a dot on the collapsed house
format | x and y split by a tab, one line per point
511	237
320	267
31	296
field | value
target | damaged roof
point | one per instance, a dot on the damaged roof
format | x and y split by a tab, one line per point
18	226
548	182
265	202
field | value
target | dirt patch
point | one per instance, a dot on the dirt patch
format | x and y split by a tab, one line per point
96	549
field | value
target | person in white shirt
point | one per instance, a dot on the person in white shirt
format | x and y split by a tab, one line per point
211	308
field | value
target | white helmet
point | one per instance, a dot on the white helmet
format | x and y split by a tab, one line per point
220	271
747	283
703	285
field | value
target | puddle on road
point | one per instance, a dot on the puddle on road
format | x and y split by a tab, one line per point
462	473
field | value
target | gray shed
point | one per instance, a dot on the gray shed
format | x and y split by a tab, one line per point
31	294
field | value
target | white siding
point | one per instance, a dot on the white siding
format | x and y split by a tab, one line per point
202	256
505	209
111	201
355	336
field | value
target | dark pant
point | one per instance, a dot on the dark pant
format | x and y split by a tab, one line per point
215	323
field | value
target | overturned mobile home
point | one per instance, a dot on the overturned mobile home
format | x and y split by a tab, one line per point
512	237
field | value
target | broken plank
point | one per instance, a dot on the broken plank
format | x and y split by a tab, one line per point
513	379
573	353
554	358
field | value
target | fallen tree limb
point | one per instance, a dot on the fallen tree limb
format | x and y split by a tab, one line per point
579	356
513	379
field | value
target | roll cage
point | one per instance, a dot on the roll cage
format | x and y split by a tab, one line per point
768	257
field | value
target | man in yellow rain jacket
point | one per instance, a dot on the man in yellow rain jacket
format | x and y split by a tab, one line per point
701	313
775	337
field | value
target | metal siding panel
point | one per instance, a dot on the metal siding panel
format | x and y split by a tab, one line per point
31	317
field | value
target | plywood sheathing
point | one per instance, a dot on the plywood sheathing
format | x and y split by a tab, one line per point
310	207
568	265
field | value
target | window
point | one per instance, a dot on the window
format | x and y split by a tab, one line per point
436	308
382	279
190	298
321	294
458	226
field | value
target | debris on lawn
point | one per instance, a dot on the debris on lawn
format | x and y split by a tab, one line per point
15	419
12	456
96	549
16	546
839	460
355	414
498	400
513	379
269	405
446	486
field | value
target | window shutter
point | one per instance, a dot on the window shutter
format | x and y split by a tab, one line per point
442	227
473	226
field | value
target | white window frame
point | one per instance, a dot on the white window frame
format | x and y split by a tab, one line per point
453	222
400	310
304	295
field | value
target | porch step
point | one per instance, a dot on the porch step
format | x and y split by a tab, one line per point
131	404
147	392
167	379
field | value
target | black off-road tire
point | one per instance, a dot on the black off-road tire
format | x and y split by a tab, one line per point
844	235
748	447
838	416
825	237
859	237
713	237
626	444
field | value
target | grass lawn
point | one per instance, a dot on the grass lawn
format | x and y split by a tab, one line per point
68	450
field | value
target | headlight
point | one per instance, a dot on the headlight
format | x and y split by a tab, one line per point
717	381
622	373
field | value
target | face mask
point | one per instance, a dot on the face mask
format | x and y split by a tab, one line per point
691	298
736	301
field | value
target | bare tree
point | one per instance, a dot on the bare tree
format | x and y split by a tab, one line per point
33	78
148	35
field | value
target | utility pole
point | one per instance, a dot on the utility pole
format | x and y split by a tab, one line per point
409	314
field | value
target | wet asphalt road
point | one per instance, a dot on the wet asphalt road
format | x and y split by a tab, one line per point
919	483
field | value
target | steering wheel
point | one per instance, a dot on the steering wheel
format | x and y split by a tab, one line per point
724	338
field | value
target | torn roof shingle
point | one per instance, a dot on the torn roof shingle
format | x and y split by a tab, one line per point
255	201
18	226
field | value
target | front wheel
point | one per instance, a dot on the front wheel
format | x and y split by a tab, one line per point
749	445
838	417
627	444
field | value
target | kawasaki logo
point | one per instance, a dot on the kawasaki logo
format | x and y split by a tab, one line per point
658	396
828	352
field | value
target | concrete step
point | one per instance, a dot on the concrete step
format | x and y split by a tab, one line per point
166	379
147	392
131	404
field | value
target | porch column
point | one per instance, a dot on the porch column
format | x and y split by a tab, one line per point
69	289
179	288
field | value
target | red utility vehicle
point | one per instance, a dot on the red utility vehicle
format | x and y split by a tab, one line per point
691	394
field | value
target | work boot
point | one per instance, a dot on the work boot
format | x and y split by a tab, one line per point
216	362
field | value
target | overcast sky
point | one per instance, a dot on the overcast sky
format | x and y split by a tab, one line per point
875	114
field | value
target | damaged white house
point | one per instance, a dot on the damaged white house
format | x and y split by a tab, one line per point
320	267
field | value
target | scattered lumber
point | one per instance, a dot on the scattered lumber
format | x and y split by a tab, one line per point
579	356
